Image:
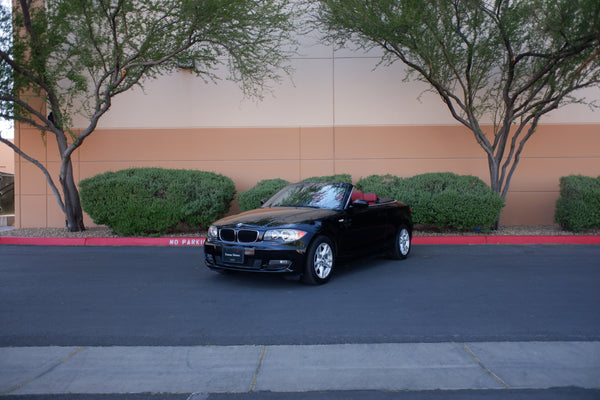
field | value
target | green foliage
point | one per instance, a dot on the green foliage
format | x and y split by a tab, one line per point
6	76
77	54
346	178
444	199
251	198
578	207
152	201
510	62
386	186
74	56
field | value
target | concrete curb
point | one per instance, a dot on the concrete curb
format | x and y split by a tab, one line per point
105	241
489	239
199	241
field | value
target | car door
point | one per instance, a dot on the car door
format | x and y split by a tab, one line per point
358	229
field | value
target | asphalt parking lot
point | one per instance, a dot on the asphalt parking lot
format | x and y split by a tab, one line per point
489	320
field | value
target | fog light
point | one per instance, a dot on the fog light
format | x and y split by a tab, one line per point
280	263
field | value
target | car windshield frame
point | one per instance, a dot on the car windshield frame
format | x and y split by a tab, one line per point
319	195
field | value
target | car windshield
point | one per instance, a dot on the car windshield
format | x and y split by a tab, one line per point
324	195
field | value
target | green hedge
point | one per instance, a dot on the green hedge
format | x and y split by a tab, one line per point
443	199
153	201
251	198
578	206
346	178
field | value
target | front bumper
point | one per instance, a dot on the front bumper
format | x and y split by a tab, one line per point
271	258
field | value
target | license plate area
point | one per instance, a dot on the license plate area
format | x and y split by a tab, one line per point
233	255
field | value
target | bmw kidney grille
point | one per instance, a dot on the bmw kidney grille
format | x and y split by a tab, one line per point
240	235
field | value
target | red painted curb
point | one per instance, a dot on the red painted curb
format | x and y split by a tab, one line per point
543	239
448	240
43	241
102	241
161	241
558	239
199	241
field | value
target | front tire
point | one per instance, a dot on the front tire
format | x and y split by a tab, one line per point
402	244
320	261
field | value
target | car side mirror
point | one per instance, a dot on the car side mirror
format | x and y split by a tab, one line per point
360	203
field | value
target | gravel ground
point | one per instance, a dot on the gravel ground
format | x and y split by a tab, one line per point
96	231
101	231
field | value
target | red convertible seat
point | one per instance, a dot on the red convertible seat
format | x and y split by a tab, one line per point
371	197
356	195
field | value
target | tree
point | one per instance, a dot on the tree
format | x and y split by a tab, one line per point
506	61
74	56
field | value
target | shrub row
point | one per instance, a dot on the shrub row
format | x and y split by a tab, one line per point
578	206
252	198
444	199
153	201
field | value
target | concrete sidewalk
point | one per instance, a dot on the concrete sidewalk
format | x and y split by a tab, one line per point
299	368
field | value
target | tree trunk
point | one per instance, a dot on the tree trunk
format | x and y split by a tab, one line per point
73	211
494	167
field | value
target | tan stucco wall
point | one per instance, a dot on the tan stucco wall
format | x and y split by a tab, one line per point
248	155
336	113
7	159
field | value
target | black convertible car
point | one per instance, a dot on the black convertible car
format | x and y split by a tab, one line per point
305	228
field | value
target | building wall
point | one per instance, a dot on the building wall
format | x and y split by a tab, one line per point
336	113
248	155
7	159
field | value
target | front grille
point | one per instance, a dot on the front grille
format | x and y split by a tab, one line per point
241	235
246	236
228	235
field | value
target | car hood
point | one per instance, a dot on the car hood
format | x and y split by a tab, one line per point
274	217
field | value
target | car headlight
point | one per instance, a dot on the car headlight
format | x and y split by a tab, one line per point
213	232
284	235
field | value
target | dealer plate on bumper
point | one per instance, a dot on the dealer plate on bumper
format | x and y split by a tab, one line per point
233	255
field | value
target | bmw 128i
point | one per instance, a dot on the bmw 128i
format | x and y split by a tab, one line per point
306	228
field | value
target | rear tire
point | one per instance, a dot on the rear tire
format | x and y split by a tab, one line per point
320	261
402	244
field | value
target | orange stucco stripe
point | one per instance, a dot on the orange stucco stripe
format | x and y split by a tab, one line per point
248	155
